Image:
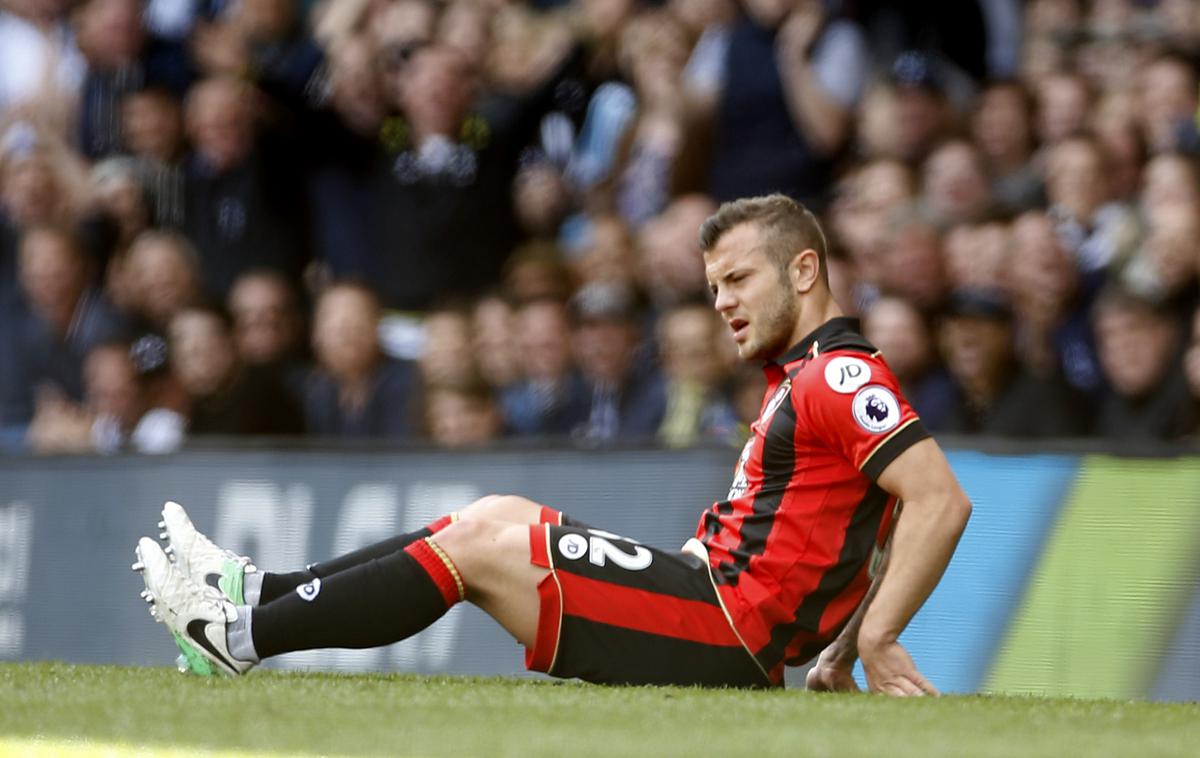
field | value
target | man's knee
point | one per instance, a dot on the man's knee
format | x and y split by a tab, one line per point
484	550
509	508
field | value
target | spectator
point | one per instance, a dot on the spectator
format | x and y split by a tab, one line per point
491	341
955	188
267	323
59	319
122	202
1096	230
658	157
448	355
1063	104
995	396
355	391
911	266
121	58
976	255
536	271
867	198
117	413
1164	268
444	209
914	108
1051	309
1139	344
550	397
903	336
694	372
156	278
1168	89
628	398
227	398
240	201
791	80
1002	128
153	135
605	253
463	416
669	266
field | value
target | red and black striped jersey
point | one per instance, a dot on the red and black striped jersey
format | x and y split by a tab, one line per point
791	543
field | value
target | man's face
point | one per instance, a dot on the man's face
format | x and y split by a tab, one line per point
686	346
976	348
544	340
437	90
265	323
344	333
221	124
162	277
152	125
751	294
604	349
202	352
51	272
1135	348
895	327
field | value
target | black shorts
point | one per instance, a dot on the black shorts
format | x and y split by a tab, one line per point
616	612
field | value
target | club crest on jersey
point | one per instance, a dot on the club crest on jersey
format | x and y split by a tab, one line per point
781	394
846	375
876	409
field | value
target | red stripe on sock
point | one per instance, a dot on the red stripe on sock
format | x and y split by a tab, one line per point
442	574
440	524
550	516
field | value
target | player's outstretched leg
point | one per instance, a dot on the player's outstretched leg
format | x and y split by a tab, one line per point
390	598
242	582
196	616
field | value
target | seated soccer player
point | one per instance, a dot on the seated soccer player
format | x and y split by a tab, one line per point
786	567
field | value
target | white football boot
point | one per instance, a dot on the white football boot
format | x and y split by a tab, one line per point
196	617
200	558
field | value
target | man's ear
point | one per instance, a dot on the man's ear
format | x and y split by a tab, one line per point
804	270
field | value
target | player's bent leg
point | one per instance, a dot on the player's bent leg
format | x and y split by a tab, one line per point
511	509
493	561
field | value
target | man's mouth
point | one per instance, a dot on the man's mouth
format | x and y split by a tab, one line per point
740	327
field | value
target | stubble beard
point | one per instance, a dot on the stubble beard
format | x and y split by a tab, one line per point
773	331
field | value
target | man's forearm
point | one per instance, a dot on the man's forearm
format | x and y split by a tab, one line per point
822	119
921	547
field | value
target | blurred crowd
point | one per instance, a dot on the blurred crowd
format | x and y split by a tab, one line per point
464	220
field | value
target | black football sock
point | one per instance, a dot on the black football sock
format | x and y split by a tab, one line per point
276	585
378	602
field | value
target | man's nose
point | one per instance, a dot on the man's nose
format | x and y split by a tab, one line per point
724	301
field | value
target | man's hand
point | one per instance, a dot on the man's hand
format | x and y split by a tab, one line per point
891	671
800	31
833	672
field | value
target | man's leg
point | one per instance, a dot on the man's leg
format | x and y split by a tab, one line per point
503	508
390	598
241	582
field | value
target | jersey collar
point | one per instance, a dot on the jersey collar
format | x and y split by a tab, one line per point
814	339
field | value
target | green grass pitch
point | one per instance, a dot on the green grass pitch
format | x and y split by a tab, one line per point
52	709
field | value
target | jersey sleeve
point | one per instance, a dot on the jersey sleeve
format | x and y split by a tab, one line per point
852	403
